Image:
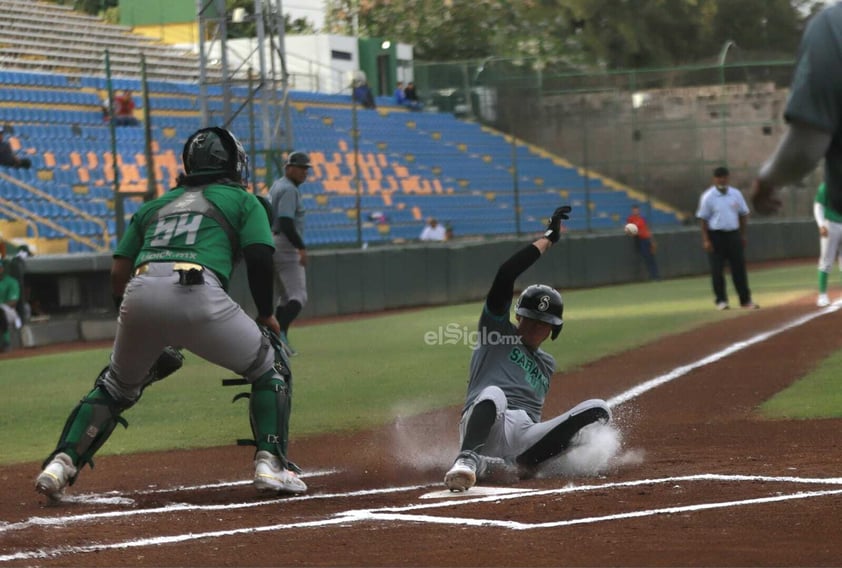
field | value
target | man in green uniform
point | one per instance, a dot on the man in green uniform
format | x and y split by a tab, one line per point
9	297
169	278
829	221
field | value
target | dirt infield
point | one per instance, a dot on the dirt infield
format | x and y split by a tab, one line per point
699	480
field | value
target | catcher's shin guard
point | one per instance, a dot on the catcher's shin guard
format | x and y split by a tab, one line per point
88	427
270	405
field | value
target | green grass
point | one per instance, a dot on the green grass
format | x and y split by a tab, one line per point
355	374
819	395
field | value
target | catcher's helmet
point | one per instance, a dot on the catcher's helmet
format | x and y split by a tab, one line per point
299	159
542	303
214	149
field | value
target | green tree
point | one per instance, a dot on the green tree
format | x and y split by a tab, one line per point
608	33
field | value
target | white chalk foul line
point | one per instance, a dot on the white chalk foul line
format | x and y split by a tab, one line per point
714	357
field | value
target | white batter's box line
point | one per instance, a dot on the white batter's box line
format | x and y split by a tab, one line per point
68	520
393	514
714	357
515	525
570	488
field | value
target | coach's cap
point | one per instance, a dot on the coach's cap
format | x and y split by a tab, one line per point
299	159
721	171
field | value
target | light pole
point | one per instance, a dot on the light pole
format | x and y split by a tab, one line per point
723	54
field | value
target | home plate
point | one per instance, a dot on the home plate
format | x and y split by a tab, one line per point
476	491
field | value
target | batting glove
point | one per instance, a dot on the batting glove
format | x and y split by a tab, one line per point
553	231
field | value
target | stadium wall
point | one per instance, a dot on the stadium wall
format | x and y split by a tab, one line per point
357	281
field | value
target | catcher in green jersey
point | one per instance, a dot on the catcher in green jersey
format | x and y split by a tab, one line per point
169	277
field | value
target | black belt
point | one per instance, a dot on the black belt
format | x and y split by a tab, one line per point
176	267
189	273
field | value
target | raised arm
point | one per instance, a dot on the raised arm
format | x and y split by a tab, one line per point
502	289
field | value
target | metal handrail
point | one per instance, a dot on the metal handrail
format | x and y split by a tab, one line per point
7	211
61	203
23	212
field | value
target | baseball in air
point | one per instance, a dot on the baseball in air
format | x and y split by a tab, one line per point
631	229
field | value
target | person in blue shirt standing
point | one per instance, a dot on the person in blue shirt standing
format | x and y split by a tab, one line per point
723	214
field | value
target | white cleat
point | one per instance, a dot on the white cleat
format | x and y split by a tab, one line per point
55	477
823	301
271	475
463	475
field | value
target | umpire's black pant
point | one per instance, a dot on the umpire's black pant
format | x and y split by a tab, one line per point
728	246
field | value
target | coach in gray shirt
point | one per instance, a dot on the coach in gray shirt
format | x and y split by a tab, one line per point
723	213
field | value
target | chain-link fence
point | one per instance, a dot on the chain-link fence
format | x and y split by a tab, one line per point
658	131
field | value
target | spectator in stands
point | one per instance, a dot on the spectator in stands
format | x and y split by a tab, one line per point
106	111
410	93
124	110
8	157
448	232
433	231
411	97
400	97
378	217
363	95
2	247
9	298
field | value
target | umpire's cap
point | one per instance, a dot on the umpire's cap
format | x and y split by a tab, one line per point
721	171
299	159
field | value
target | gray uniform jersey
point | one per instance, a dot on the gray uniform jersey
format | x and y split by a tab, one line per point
290	276
286	202
816	94
501	360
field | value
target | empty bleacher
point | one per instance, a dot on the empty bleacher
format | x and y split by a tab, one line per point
412	165
39	36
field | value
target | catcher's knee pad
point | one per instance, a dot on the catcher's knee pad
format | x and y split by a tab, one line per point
268	342
89	425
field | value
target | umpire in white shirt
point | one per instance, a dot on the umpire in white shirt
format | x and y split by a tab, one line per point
723	213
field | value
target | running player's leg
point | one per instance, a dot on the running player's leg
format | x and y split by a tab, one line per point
294	297
482	436
545	440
